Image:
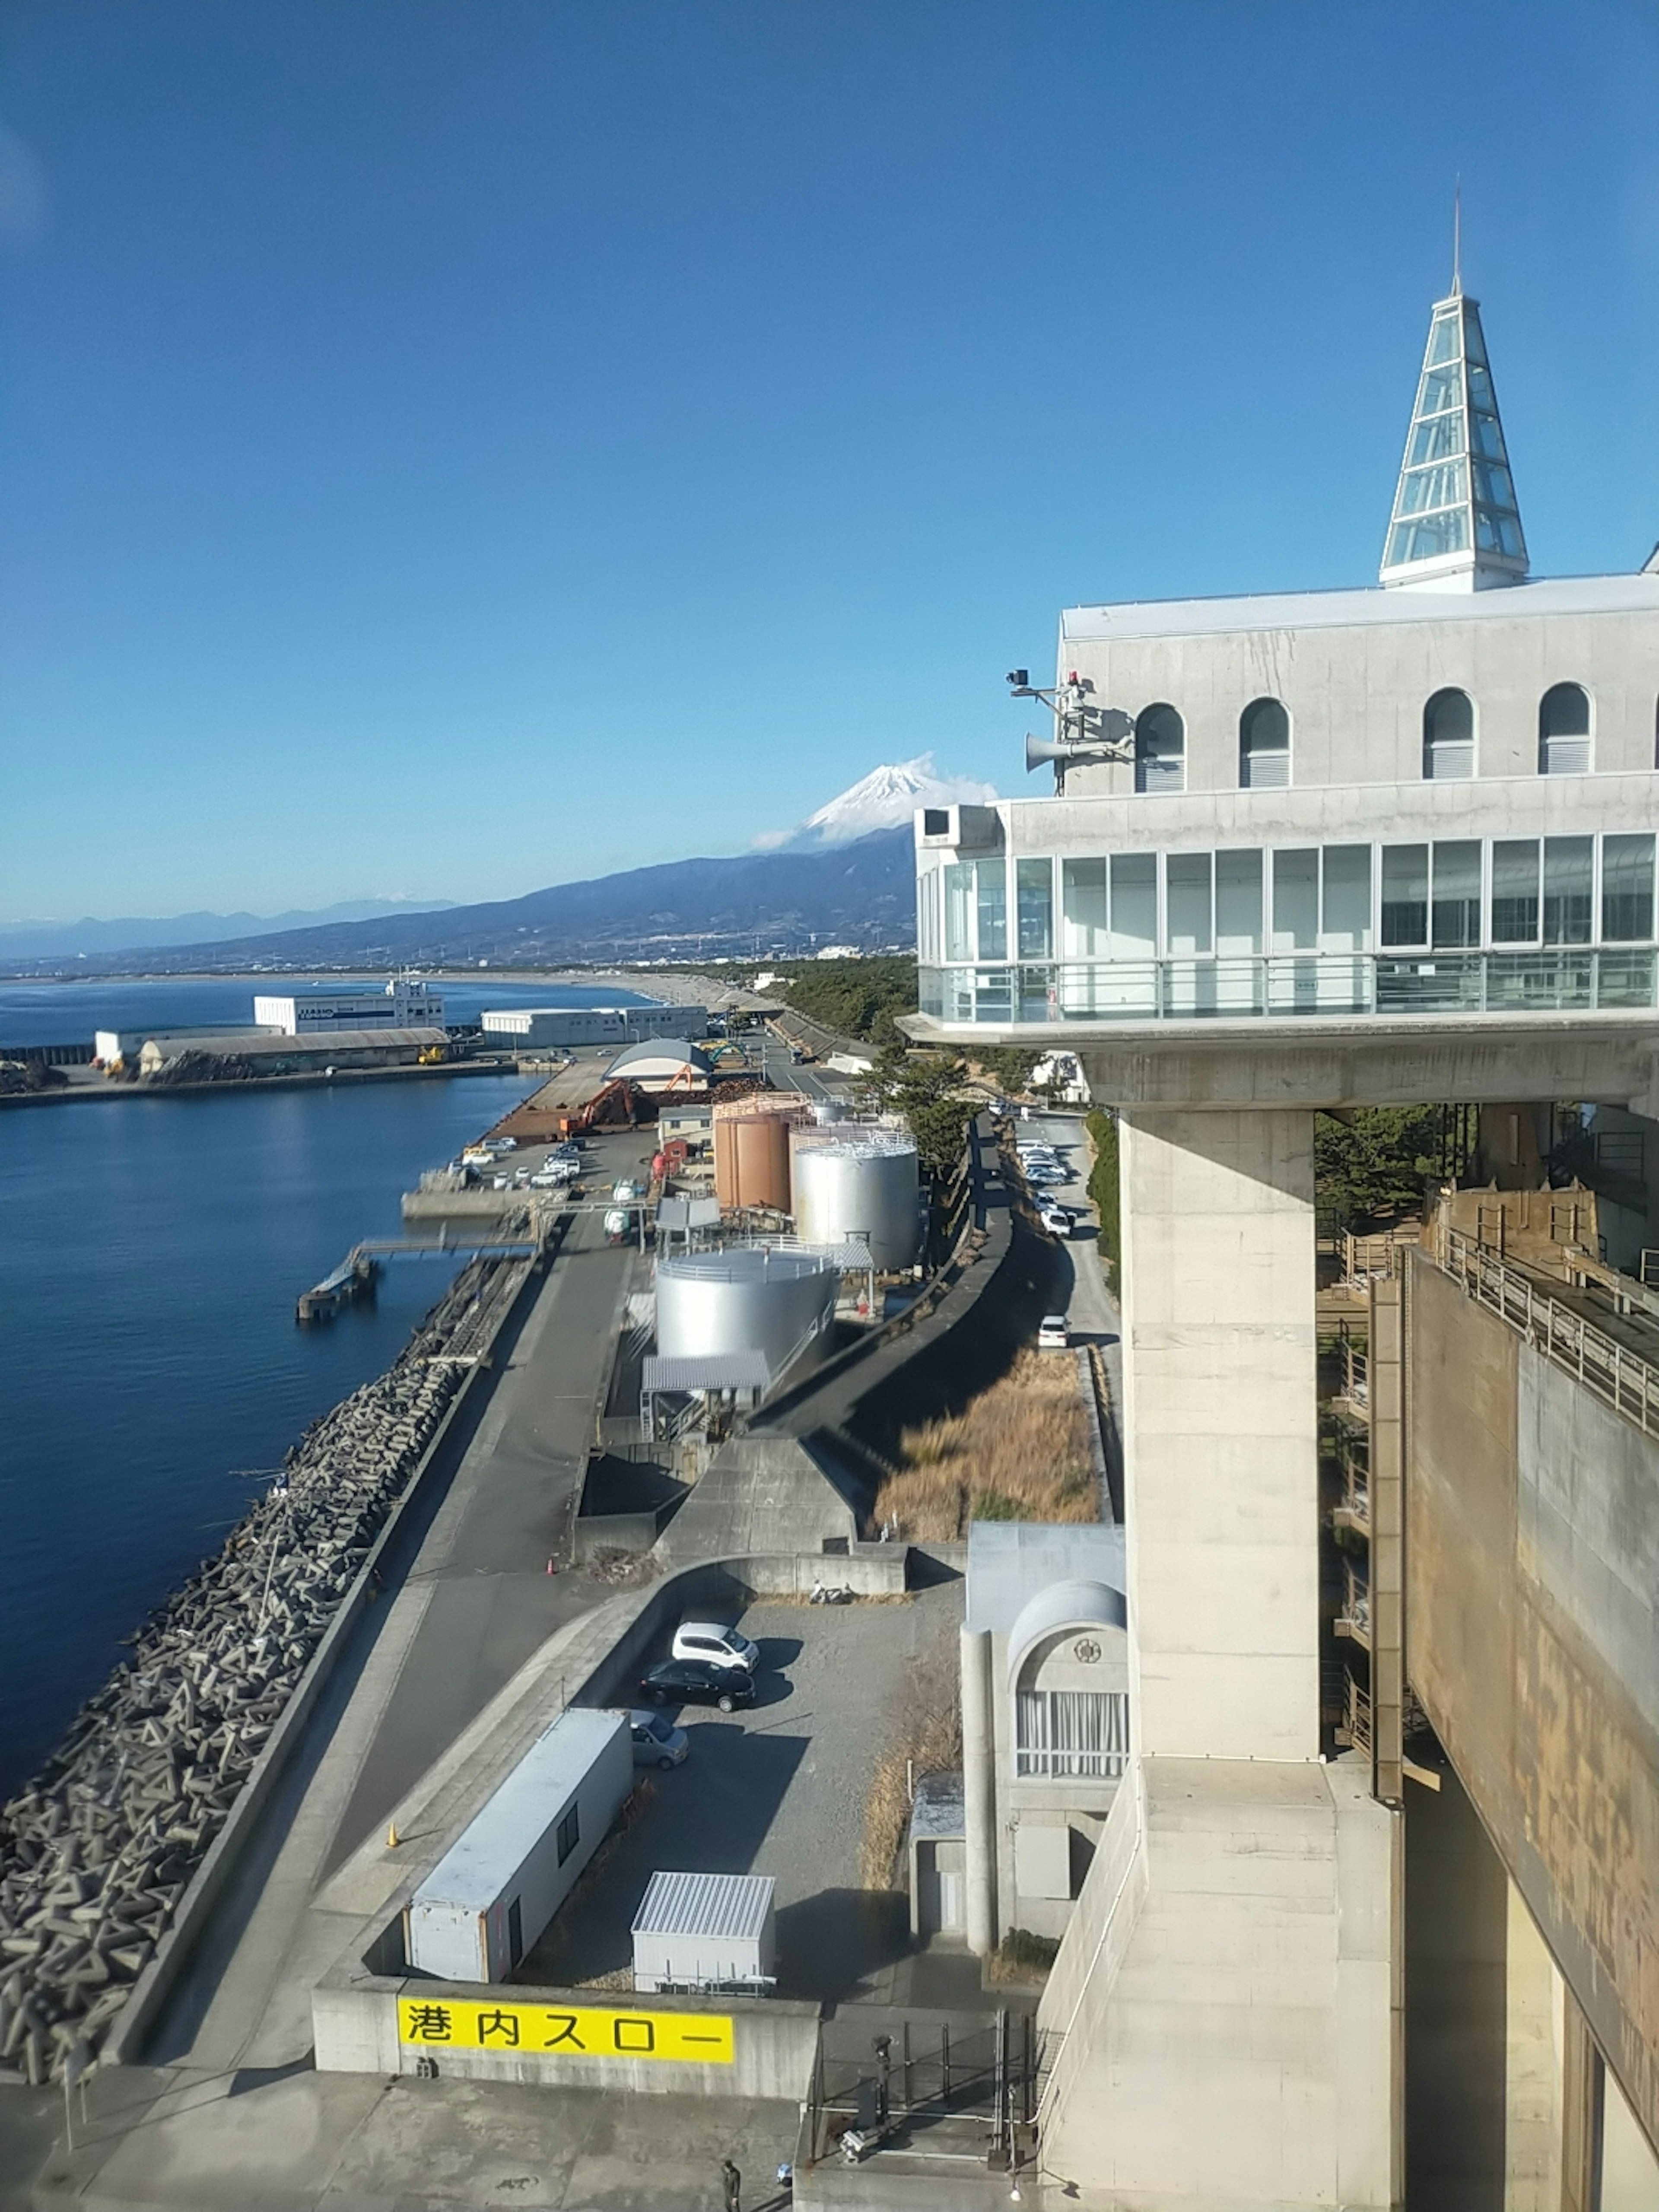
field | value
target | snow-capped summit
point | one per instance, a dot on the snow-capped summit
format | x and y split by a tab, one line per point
885	800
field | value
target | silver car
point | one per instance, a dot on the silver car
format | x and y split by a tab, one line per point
657	1741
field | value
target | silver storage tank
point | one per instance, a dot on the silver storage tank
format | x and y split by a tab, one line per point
752	1300
850	1180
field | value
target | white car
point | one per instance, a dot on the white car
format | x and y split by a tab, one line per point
1056	1220
1041	1172
657	1741
717	1645
1054	1334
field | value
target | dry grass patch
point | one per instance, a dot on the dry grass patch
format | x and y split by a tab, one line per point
1019	1451
926	1739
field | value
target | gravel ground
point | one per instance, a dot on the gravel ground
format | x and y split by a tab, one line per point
779	1789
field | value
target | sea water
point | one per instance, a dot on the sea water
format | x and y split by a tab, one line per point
152	1374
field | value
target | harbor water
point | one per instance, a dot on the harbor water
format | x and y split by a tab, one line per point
152	1375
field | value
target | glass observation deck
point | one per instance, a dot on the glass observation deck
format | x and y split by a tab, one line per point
1555	980
1509	926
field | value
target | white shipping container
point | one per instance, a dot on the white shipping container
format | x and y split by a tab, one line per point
706	1931
494	1890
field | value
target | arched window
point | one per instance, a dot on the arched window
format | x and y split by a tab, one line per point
1563	731
1264	746
1449	737
1160	749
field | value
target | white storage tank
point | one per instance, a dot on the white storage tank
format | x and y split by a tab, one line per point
492	1894
852	1181
706	1931
752	1300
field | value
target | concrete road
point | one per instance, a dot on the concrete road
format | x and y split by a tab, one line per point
477	1600
1092	1311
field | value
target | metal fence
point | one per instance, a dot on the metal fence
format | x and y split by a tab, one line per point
1620	1377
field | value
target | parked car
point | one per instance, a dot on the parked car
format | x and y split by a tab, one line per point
712	1640
694	1682
657	1741
1041	1172
1053	1334
1056	1220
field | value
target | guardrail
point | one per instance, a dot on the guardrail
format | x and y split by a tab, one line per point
1618	1377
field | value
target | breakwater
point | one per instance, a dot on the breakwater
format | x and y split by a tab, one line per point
97	1851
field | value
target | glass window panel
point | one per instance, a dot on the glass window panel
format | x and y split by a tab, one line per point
1441	485
1436	440
1404	895
1160	749
1493	484
1487	437
991	884
1446	338
1481	395
1455	918
1626	889
958	898
1083	909
1296	901
1509	537
1134	905
1515	890
1345	922
1186	902
1237	904
1567	877
1440	388
1563	712
1034	892
927	887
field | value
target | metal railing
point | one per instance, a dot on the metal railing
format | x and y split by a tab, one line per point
1618	1377
1552	979
1355	1618
1355	1727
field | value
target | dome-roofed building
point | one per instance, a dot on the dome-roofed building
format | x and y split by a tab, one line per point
662	1064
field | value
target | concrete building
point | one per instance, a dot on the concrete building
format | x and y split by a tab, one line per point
1320	850
566	1029
405	1003
1045	1719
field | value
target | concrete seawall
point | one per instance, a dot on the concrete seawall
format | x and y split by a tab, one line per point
109	1852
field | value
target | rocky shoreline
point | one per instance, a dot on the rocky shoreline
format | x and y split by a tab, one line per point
97	1851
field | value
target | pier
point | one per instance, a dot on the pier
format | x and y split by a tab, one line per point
357	1273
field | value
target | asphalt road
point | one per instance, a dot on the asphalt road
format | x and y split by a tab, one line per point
779	1789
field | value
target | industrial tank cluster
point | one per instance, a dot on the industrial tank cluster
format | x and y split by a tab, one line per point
841	1180
750	1299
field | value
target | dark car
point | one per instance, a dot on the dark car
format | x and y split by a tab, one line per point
694	1682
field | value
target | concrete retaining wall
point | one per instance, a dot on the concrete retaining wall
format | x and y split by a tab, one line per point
392	1549
775	2043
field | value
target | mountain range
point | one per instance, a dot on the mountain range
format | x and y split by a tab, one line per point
31	940
843	876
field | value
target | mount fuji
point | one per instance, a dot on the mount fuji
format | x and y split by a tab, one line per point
885	800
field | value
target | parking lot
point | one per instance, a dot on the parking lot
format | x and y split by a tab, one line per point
779	1788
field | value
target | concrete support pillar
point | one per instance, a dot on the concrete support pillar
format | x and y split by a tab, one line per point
1220	1432
979	1796
1535	2000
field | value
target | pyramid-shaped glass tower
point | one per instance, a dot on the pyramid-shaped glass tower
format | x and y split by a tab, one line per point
1456	525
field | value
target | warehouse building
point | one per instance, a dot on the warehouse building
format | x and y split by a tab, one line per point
274	1054
669	1064
564	1029
405	1003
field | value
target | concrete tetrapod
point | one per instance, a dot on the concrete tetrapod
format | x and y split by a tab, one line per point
97	1850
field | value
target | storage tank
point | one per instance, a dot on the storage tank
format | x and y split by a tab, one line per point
748	1300
853	1181
751	1161
828	1110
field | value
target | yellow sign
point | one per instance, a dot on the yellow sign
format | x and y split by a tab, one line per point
577	2031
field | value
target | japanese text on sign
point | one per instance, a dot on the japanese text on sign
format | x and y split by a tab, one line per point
574	2032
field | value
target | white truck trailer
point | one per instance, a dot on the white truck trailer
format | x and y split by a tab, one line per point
494	1890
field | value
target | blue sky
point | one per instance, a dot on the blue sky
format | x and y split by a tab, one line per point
448	448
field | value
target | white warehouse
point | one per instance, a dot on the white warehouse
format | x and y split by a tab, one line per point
405	1003
541	1028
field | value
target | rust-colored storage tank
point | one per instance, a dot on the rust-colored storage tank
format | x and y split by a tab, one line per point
751	1161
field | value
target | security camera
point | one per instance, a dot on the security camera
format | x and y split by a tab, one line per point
1019	678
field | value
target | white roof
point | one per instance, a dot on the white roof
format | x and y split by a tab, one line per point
474	1869
1553	595
246	1043
1010	1563
731	1905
